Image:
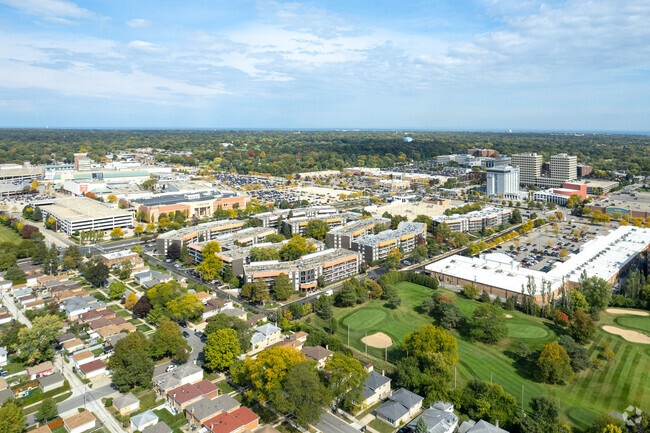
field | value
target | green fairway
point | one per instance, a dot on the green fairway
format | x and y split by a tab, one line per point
639	323
7	234
618	384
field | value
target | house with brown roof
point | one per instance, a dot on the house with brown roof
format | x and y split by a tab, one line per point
92	368
236	421
184	395
42	429
203	297
205	408
109	330
34	305
82	357
319	354
73	345
80	422
44	369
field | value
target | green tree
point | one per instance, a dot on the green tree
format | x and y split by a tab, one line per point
210	267
185	307
167	339
265	374
96	273
36	344
257	291
582	327
421	426
125	269
434	339
116	290
161	294
346	379
295	248
12	419
222	349
597	292
14	274
131	363
243	329
420	253
282	287
74	256
470	291
38	253
51	262
488	323
323	307
117	233
347	296
578	301
488	401
304	395
554	364
515	218
263	254
47	409
317	229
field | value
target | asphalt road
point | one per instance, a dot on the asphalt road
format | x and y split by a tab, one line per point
331	424
72	403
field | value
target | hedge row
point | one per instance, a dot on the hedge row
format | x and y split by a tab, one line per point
392	278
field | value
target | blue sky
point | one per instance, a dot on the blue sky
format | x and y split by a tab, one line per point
469	65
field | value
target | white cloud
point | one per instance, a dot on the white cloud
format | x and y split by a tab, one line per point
50	9
145	46
138	23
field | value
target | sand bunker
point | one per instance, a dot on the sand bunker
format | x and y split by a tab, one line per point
628	334
626	311
508	316
378	340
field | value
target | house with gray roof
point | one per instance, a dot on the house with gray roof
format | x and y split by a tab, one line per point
200	411
76	306
126	404
319	354
5	395
400	407
234	312
181	375
265	335
144	420
479	427
161	427
3	356
376	388
440	418
151	278
53	381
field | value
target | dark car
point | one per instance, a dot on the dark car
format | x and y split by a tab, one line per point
185	334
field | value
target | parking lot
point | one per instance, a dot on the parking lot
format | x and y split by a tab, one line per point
541	249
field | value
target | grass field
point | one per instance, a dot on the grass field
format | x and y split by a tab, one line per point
621	383
8	234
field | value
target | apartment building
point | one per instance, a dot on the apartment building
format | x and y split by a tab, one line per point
530	167
298	225
564	167
272	219
342	237
406	237
476	220
200	233
333	264
503	181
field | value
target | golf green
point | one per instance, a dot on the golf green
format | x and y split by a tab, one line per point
639	323
526	330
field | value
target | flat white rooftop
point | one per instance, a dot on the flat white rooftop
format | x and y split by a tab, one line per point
601	257
82	208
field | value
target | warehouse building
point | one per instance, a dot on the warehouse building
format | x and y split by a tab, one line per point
333	264
406	237
81	213
606	257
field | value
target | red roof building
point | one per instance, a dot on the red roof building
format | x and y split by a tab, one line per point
237	421
181	397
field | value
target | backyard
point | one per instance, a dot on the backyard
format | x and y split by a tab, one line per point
7	234
591	393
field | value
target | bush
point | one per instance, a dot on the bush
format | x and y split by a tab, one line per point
392	278
394	302
470	291
108	402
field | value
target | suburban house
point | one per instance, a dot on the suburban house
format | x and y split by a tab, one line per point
75	307
181	397
400	407
187	373
440	418
118	257
65	337
73	345
479	427
53	381
375	389
151	278
42	429
5	318
36	304
143	420
202	410
88	317
82	358
92	368
112	340
3	356
319	354
203	297
266	335
236	421
125	404
44	369
161	427
257	319
234	312
80	422
5	284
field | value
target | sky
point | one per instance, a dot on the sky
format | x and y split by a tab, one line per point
525	65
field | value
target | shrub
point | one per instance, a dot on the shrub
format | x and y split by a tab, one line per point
470	291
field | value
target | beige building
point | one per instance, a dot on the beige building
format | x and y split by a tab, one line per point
530	167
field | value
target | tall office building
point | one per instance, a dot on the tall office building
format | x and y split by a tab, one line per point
502	180
530	167
564	167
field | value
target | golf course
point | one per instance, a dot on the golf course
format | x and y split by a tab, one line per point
618	384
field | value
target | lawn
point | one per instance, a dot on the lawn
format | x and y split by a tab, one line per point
122	313
8	234
173	421
381	426
225	387
614	387
135	321
143	328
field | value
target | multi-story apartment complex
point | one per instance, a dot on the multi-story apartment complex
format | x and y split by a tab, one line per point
199	233
530	167
333	264
502	180
298	225
342	237
406	237
476	220
272	219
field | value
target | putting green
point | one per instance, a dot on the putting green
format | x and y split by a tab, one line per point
527	331
639	323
